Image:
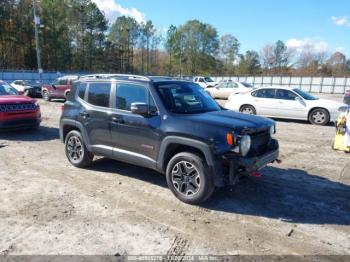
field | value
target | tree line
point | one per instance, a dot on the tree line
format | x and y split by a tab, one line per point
76	36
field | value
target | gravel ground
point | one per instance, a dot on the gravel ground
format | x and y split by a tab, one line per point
49	207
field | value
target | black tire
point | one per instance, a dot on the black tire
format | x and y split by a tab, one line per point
319	116
66	95
76	151
46	96
197	182
248	109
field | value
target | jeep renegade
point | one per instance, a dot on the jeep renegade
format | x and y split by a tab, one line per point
166	124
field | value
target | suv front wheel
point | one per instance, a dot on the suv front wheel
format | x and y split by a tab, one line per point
188	178
76	151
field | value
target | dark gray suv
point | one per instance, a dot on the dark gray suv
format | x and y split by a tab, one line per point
168	125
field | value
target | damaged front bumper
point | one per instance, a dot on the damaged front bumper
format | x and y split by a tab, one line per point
232	166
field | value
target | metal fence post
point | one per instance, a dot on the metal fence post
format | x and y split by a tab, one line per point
333	85
311	83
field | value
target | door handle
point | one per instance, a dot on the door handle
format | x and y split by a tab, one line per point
116	119
84	114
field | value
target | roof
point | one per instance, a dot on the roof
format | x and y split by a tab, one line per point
279	87
154	79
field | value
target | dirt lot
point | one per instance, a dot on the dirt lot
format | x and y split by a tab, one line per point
301	206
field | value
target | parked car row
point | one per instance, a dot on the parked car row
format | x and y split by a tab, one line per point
169	125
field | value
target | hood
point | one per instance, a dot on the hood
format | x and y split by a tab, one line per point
232	120
13	99
330	104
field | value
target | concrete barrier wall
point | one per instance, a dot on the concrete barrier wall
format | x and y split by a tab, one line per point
329	85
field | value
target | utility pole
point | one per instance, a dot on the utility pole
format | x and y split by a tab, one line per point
37	44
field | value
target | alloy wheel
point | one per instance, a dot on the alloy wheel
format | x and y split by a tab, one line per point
75	149
186	178
319	117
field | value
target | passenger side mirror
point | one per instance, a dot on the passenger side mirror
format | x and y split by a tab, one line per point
298	99
139	109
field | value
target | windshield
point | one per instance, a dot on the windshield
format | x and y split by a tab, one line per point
208	79
6	89
304	94
247	85
186	98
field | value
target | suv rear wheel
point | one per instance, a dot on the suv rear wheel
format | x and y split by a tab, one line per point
76	151
189	179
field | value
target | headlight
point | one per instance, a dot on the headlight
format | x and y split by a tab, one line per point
244	145
273	130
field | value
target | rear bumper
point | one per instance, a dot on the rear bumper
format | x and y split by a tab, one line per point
19	124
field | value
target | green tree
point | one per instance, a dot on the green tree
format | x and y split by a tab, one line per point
249	63
229	47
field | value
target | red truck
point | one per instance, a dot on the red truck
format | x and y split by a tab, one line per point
59	89
17	111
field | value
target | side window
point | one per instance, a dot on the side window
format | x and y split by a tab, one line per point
285	94
201	80
232	85
56	82
81	90
62	82
130	93
265	93
99	94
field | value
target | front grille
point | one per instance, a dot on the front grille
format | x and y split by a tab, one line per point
17	107
260	143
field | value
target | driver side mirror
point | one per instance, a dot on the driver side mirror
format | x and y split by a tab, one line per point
140	109
298	99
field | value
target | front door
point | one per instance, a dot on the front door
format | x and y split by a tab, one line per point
135	138
290	105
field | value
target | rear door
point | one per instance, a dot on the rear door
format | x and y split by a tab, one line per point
134	137
264	101
95	115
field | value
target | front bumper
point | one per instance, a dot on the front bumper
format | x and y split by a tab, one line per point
230	167
257	163
19	124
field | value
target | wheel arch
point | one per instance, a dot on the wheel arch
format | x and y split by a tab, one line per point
173	145
317	107
67	125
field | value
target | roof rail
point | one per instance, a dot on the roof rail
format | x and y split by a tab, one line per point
109	76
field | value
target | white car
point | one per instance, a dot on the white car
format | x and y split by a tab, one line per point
204	82
224	89
284	102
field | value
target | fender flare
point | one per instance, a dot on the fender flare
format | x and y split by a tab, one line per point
203	147
77	125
